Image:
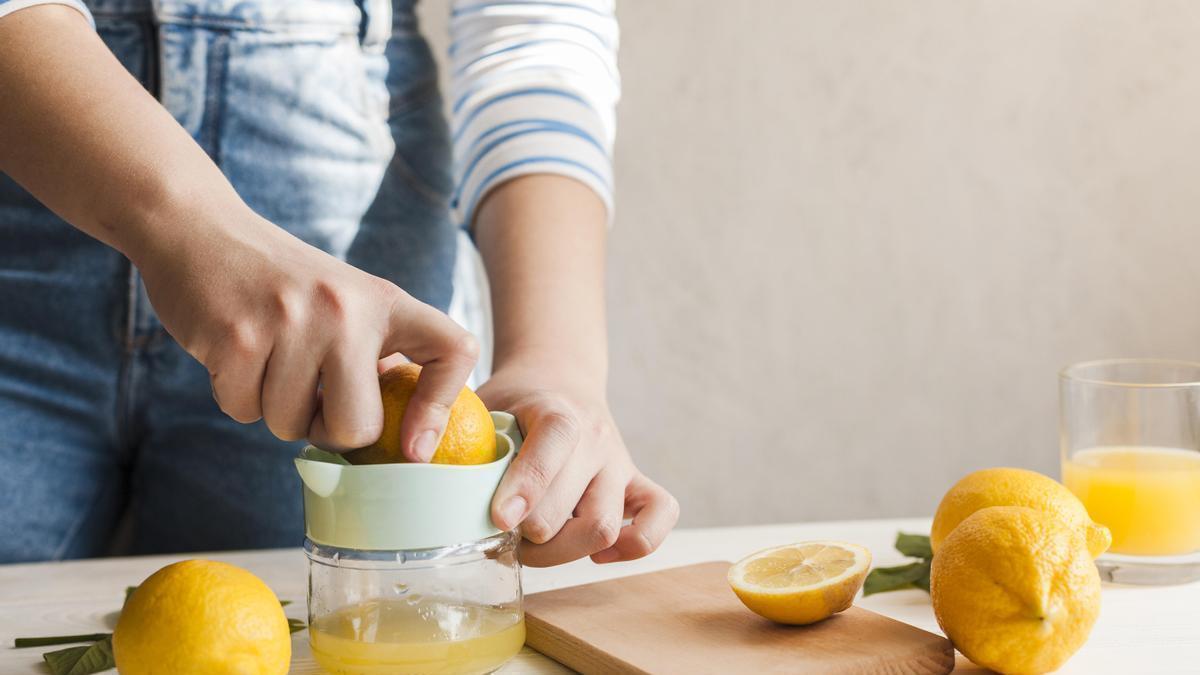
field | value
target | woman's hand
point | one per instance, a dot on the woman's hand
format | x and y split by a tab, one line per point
272	318
573	482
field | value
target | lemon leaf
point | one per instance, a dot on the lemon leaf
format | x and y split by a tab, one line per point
82	660
296	625
922	583
883	579
21	643
914	545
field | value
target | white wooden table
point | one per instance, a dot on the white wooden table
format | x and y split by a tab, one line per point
1141	629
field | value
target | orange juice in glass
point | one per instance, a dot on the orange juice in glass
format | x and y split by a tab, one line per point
1130	436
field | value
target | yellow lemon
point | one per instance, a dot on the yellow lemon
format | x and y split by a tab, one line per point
801	583
202	617
1015	589
470	436
1015	487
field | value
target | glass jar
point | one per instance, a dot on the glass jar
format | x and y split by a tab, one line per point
389	589
454	609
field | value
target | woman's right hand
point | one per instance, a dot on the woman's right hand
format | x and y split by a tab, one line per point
275	319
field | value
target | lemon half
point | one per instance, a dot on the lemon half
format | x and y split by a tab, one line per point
470	436
801	583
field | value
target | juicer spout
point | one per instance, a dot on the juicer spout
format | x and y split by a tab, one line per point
320	471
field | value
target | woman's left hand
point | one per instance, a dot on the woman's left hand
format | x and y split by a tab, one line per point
573	483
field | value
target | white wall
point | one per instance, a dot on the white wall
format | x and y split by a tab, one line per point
855	240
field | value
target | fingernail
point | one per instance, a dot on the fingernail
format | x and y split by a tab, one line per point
512	511
425	445
605	556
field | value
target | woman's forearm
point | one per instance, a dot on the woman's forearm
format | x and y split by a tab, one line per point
542	238
574	483
84	137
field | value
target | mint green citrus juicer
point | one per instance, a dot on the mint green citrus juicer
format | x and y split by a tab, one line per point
397	507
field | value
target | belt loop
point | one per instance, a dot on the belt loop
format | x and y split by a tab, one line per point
376	26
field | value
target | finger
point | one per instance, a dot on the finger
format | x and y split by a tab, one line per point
390	361
236	368
447	354
289	391
595	527
654	513
560	502
351	411
553	436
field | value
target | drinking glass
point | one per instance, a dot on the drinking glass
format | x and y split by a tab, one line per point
1130	449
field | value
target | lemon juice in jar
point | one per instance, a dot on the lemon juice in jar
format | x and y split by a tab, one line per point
416	635
453	610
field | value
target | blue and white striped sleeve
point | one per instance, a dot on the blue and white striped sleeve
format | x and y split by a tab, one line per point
534	88
9	6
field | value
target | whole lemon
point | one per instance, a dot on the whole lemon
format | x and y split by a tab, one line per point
202	617
1015	487
470	436
1015	589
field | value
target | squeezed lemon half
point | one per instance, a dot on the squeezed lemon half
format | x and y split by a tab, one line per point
801	583
470	436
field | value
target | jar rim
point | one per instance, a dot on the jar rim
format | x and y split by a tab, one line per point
353	558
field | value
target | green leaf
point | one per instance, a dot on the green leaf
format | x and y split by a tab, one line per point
62	661
296	625
21	643
883	579
922	583
284	603
914	545
82	660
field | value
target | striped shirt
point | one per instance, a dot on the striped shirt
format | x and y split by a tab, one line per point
534	88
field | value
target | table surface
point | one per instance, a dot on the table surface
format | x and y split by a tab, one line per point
1141	629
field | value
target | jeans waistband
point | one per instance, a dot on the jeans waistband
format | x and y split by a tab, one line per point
372	20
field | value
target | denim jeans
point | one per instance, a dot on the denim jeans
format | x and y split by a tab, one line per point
326	127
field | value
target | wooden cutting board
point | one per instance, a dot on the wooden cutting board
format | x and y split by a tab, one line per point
687	620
